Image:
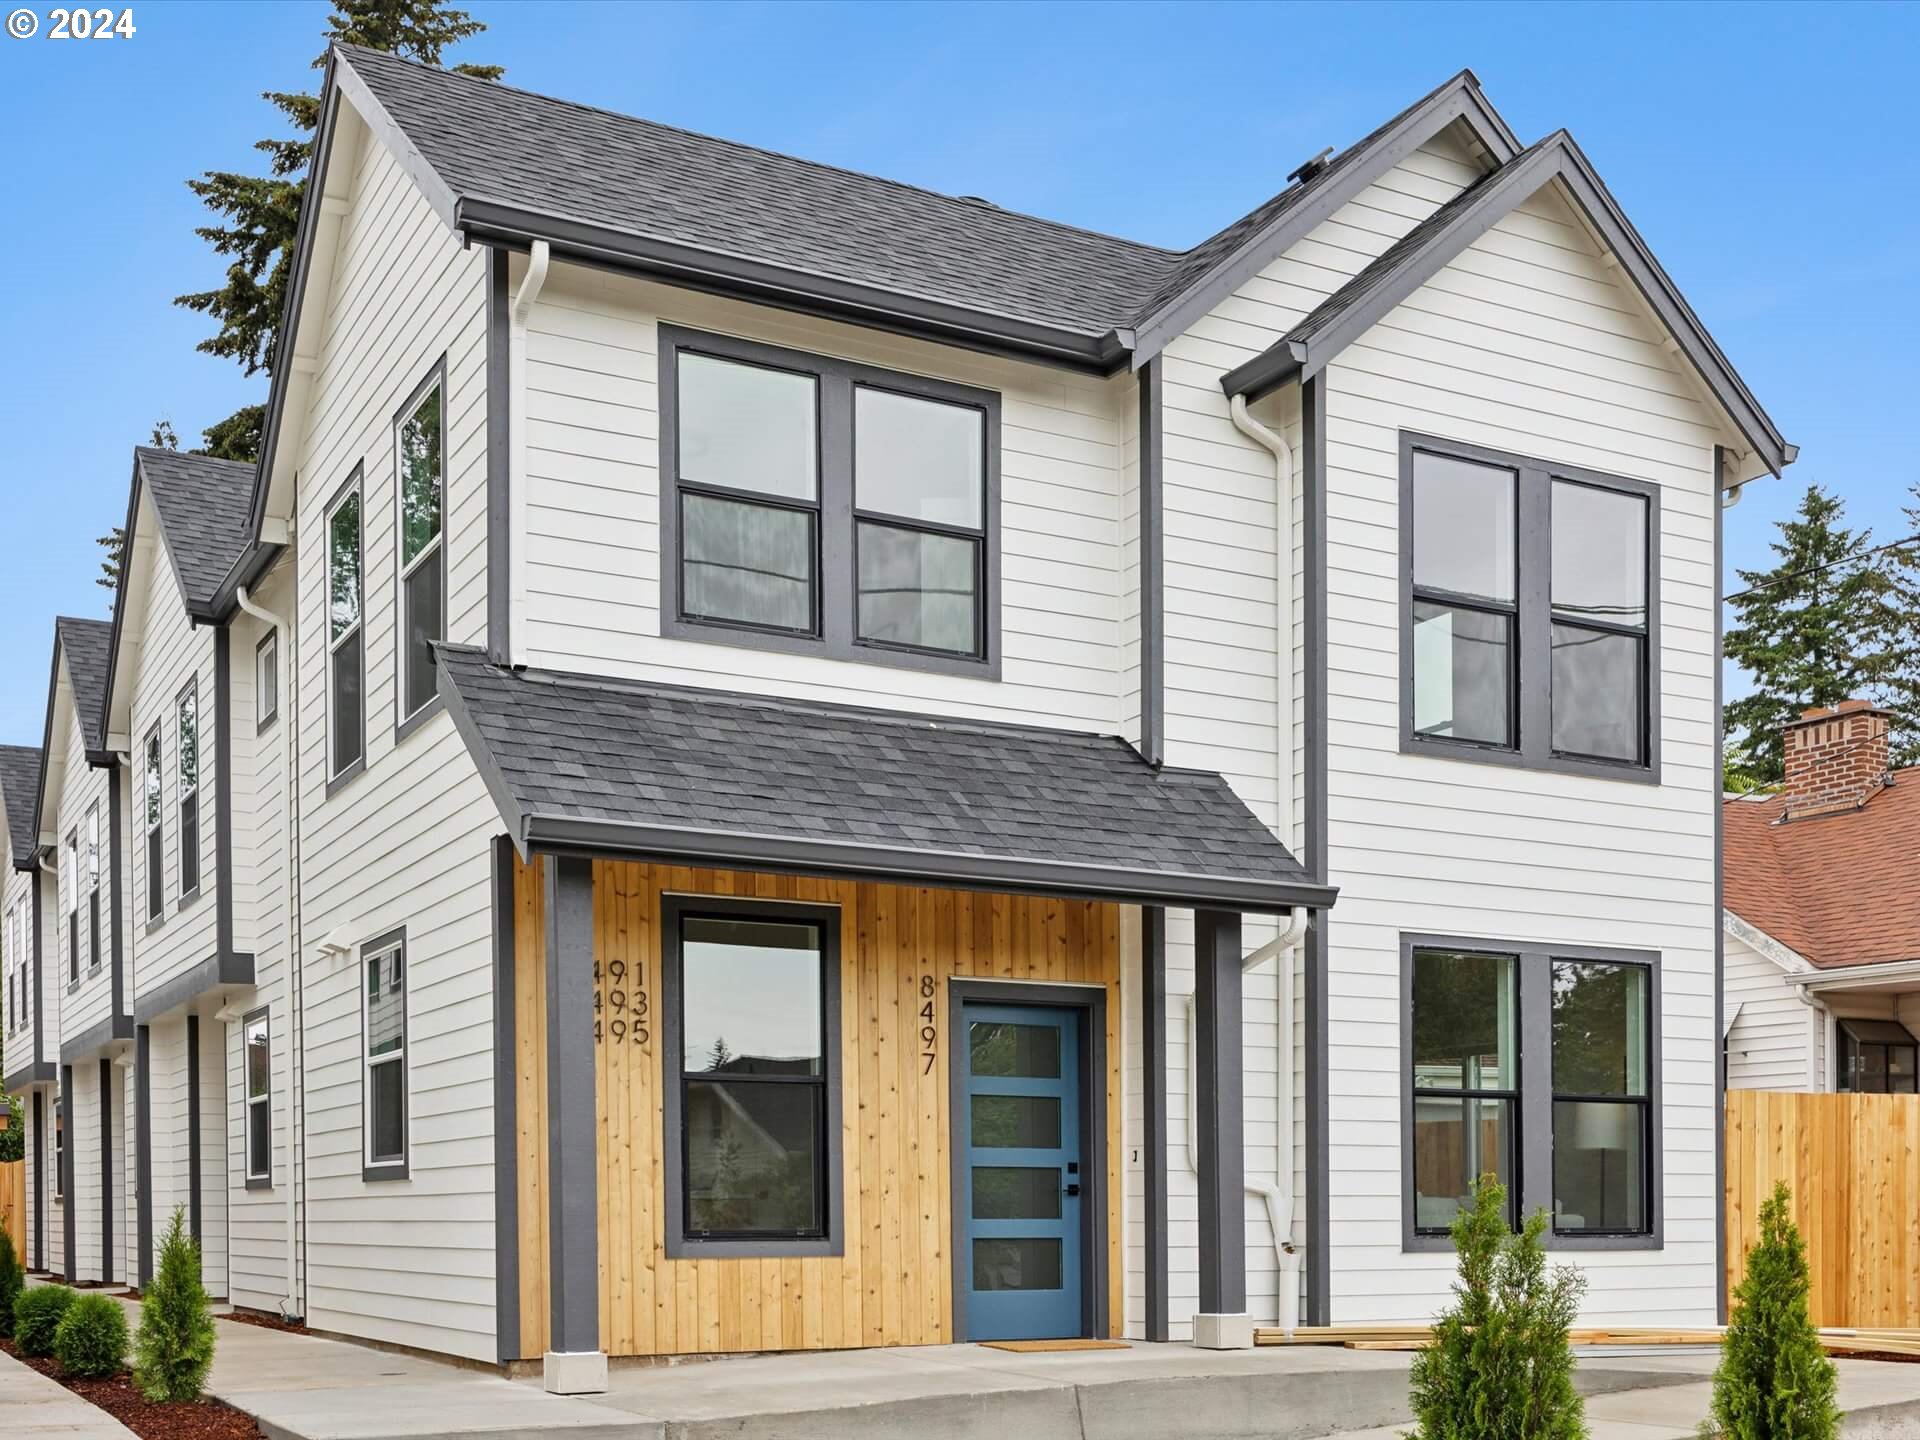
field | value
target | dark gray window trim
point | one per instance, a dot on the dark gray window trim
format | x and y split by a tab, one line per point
673	908
253	1181
1534	1107
1534	616
405	724
1091	1002
835	600
355	481
392	941
187	897
271	640
71	851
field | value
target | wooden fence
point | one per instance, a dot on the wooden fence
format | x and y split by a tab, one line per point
13	1197
1853	1164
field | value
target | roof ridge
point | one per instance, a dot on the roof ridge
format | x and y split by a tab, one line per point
742	145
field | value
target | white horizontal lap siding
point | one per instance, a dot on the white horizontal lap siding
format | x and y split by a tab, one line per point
82	787
407	842
1530	343
593	544
83	1135
1222	652
1774	1036
172	652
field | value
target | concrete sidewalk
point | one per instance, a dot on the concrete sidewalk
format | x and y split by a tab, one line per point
31	1404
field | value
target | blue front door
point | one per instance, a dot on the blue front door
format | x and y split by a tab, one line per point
1019	1225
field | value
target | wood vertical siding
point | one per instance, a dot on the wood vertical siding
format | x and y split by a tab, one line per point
893	1284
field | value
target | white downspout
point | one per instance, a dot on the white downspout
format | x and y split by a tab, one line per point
289	683
539	256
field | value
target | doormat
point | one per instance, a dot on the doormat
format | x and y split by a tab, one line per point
1041	1347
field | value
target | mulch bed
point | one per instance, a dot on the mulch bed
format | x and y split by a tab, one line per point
266	1321
207	1419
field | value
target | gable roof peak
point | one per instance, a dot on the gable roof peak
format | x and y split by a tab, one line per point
20	794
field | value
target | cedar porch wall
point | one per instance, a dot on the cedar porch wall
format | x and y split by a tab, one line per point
893	1284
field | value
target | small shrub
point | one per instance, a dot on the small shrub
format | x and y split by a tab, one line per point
1500	1367
174	1349
91	1339
37	1313
1774	1381
11	1280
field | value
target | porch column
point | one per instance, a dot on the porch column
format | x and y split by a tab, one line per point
1223	1322
574	1362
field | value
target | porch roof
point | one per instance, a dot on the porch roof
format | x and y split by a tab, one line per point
706	777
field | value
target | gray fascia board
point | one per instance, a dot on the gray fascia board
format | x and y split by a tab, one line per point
501	223
218	970
749	851
34	1072
252	563
96	1037
46	744
1460	100
120	596
346	80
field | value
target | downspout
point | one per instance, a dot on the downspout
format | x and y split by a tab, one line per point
539	255
289	683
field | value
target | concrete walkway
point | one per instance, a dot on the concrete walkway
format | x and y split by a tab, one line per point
31	1404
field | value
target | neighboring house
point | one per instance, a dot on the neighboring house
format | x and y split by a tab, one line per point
1822	922
828	720
32	1011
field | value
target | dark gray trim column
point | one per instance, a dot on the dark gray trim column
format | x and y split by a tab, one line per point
1719	906
193	1126
1153	1111
1218	1110
116	841
143	1152
1152	462
106	1170
506	1120
499	480
37	1251
573	1184
70	1203
1318	953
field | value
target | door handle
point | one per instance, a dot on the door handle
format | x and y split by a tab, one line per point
1072	1189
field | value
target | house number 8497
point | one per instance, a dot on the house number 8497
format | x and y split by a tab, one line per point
929	1029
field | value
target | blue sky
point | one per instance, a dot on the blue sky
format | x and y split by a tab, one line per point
1765	152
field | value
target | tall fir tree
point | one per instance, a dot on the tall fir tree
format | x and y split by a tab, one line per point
1903	689
1818	627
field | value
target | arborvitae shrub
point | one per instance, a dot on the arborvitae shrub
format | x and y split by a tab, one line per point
37	1313
1500	1367
10	1280
91	1339
174	1349
1775	1381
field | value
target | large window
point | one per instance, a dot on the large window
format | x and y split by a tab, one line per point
750	1040
1530	611
420	446
257	1056
346	670
188	787
1878	1057
826	507
150	785
94	955
70	881
1538	1065
383	1014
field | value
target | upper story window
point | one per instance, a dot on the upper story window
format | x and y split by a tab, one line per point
150	787
188	788
71	880
266	680
346	670
1877	1057
1530	604
823	507
421	450
93	884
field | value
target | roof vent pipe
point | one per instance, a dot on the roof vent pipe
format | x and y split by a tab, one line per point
1310	168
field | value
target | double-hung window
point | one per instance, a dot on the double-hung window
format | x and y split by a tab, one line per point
383	1017
420	448
93	885
752	1104
266	680
188	787
346	670
1538	1065
72	883
257	1050
824	507
1530	608
150	784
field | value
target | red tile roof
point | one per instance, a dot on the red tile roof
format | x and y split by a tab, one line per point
1840	889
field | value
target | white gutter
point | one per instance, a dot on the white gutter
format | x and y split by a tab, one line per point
1857	977
290	1307
539	256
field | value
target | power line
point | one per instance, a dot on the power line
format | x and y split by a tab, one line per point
1821	569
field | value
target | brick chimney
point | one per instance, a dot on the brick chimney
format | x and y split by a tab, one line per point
1836	759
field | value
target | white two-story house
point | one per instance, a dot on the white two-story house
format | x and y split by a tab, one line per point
868	769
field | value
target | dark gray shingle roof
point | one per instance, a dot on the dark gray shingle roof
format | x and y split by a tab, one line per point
20	789
204	507
659	769
85	644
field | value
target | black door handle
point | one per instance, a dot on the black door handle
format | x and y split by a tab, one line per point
1072	1190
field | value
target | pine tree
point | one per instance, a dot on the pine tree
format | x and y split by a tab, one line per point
174	1349
1817	628
1774	1381
115	540
1903	689
11	1280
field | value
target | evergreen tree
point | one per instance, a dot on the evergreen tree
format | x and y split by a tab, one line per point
1903	689
115	540
1817	628
11	1280
174	1349
1774	1381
